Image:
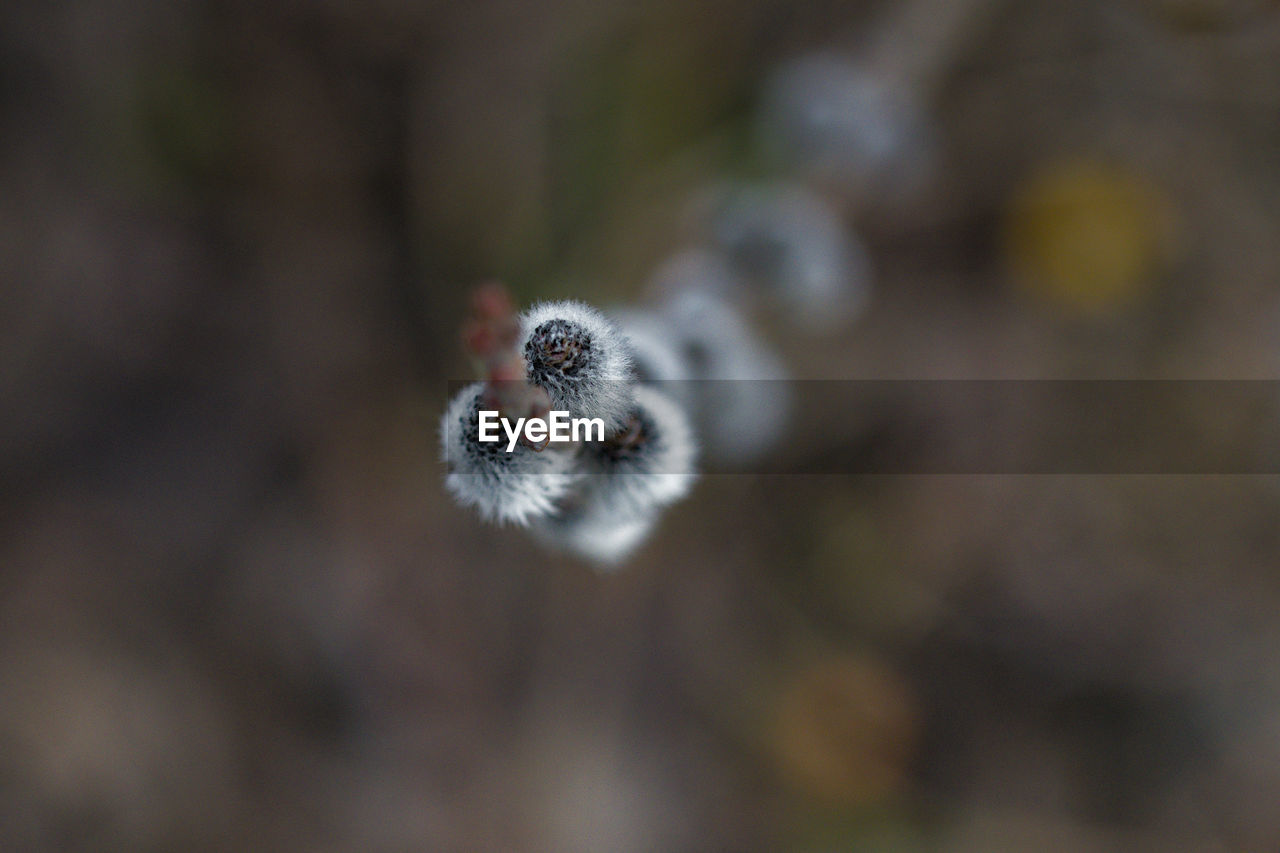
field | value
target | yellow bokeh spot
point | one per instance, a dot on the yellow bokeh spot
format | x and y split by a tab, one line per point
847	731
1087	236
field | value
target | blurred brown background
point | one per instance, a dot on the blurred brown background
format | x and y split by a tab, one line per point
238	611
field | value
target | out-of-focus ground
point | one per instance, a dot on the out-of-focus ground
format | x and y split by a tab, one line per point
238	611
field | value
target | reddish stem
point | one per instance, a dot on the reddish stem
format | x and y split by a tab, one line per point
491	336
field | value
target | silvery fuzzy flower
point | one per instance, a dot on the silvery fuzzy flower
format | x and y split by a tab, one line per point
787	240
648	465
506	487
828	117
658	354
580	358
743	398
627	480
655	352
595	534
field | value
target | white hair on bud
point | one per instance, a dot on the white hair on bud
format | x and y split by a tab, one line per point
657	354
795	246
626	482
744	401
596	534
651	468
506	487
580	358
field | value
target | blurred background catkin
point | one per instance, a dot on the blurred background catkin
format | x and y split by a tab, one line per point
239	612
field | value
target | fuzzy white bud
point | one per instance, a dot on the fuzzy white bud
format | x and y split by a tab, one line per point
743	398
596	534
650	465
794	246
580	358
658	355
503	486
655	352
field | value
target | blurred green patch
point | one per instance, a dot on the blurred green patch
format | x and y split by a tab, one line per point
170	130
818	830
624	105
